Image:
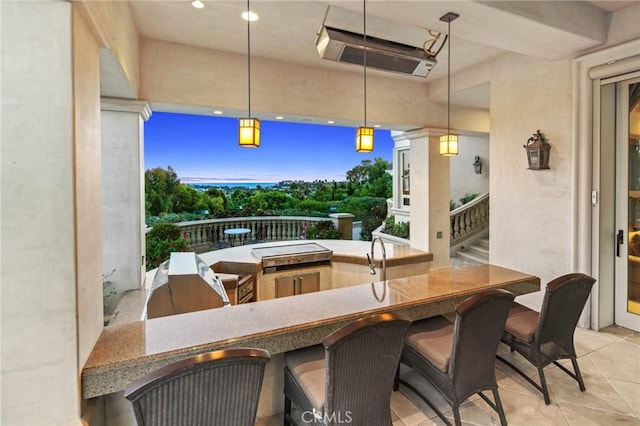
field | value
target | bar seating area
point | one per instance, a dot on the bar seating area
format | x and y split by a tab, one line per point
354	375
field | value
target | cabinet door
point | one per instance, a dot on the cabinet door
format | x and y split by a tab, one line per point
308	283
286	286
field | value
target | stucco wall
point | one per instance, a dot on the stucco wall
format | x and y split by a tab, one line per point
113	25
40	379
88	194
464	179
203	77
531	210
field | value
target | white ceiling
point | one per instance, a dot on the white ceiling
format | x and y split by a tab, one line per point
286	30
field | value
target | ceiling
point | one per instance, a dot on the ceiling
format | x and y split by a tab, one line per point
286	30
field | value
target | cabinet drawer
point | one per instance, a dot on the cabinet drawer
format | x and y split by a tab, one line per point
245	289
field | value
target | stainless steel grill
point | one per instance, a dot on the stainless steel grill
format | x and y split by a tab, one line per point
277	258
182	284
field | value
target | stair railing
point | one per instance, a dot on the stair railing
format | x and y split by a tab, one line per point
469	219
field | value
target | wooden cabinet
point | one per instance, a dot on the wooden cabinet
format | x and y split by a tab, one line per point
291	285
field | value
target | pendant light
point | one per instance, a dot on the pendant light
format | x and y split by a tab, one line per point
449	142
249	135
364	134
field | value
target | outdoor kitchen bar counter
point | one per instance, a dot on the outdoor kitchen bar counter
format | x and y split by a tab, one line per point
127	352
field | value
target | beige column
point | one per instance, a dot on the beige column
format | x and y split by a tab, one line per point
429	182
123	191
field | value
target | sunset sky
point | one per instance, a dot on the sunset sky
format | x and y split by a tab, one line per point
205	149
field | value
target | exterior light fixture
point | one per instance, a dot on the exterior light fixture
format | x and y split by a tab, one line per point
449	142
477	165
249	134
537	152
364	134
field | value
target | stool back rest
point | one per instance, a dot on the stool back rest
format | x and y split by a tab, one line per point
221	387
362	359
562	305
478	327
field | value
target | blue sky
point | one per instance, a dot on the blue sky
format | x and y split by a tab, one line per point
205	149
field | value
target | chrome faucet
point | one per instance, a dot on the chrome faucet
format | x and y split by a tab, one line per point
371	258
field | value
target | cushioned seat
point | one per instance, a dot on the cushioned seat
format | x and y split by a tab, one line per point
522	322
547	337
349	378
308	368
459	359
433	338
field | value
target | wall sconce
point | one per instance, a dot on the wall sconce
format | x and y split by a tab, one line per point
537	152
477	165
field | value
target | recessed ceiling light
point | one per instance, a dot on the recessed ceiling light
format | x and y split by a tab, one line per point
197	4
250	16
279	117
376	126
330	122
217	112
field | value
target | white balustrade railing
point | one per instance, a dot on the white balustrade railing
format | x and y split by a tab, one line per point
202	235
469	219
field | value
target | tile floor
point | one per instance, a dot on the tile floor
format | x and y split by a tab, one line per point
610	364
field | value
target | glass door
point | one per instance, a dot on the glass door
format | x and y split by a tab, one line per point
627	244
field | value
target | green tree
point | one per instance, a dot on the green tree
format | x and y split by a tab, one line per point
370	179
263	201
160	186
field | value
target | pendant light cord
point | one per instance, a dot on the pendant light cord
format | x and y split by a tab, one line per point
249	57
364	10
449	79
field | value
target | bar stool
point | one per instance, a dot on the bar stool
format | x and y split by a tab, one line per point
221	387
546	337
349	378
459	359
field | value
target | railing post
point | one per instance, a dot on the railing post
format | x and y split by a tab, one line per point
344	223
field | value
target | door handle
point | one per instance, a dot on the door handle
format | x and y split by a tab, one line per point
619	241
296	286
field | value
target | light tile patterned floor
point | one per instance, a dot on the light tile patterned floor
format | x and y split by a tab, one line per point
610	364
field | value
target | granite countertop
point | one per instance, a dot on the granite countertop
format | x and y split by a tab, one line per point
125	353
241	259
345	251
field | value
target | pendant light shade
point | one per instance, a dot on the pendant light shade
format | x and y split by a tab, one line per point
249	132
449	142
249	127
364	139
364	134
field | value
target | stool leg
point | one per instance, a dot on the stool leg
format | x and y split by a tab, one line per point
543	385
287	411
499	409
578	374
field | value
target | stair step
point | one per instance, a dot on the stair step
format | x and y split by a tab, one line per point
470	256
484	242
479	250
